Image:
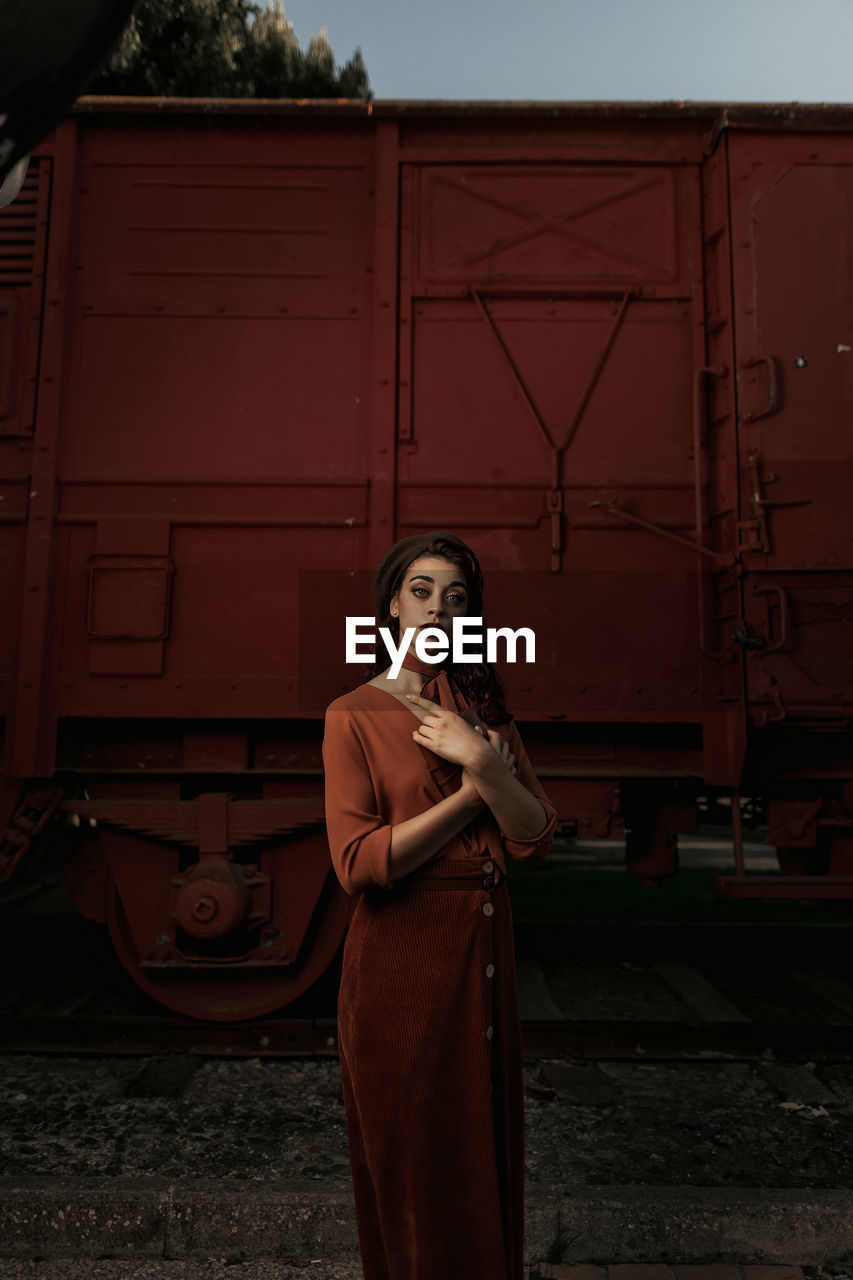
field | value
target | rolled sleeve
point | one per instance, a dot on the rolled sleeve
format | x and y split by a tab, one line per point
535	847
359	838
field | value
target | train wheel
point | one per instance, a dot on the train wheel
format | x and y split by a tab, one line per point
222	993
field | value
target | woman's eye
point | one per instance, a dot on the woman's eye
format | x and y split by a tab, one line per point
418	590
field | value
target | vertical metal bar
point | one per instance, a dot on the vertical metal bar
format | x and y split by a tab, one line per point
699	444
555	497
520	383
410	237
31	745
596	373
555	507
384	333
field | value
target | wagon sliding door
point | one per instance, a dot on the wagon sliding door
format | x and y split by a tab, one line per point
551	320
792	232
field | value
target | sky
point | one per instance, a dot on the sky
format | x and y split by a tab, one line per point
704	50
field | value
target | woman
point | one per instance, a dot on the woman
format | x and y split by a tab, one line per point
428	787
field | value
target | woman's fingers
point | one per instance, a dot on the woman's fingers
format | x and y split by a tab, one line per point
448	735
444	732
502	748
424	702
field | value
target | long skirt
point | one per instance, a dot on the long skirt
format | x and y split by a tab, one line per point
430	1047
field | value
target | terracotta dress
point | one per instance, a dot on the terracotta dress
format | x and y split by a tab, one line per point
428	1020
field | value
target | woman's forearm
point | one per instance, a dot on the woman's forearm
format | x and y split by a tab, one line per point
414	841
515	809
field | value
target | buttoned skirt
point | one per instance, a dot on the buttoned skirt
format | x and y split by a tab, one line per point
430	1052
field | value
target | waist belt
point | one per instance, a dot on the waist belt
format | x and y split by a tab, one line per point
458	873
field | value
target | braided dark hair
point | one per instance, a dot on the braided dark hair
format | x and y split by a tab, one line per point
478	683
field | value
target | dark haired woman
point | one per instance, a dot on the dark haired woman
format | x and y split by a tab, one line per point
427	788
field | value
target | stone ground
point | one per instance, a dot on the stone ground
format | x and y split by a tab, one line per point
212	1269
216	1164
632	1163
258	1120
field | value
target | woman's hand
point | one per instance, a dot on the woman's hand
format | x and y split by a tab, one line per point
447	734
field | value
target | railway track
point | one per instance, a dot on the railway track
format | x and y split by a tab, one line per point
591	1041
590	991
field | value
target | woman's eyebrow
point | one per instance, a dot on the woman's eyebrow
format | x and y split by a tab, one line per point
416	576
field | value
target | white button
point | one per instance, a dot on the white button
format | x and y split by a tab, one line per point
490	970
488	867
490	1031
488	909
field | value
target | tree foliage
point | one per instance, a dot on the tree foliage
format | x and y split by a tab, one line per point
224	49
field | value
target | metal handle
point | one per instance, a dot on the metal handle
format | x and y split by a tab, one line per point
783	617
700	432
773	387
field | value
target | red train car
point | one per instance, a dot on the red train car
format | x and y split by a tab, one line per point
244	346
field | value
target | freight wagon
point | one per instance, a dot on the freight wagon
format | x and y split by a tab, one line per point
246	346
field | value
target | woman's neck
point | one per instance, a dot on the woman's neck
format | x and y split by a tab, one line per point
411	662
413	672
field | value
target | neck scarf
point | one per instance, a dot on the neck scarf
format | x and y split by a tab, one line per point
443	689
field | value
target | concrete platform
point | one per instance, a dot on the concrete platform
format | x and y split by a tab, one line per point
212	1269
216	1270
144	1162
302	1225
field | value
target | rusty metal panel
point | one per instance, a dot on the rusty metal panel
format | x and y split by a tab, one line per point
23	244
793	297
233	279
173	238
225	277
131	502
381	400
798	650
577	223
30	742
588	134
23	247
555	343
793	248
555	325
127	622
129	597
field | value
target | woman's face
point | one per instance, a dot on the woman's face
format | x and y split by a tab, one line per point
432	595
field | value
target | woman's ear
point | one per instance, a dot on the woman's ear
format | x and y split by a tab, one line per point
394	606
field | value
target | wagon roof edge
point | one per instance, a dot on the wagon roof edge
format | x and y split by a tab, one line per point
791	115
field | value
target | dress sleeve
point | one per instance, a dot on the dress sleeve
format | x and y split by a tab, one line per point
359	839
537	846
